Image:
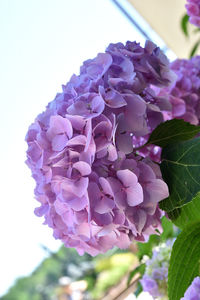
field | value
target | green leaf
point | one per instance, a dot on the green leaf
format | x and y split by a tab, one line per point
184	24
187	214
140	269
180	169
184	261
173	131
194	49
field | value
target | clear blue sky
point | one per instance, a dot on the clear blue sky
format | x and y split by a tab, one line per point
43	42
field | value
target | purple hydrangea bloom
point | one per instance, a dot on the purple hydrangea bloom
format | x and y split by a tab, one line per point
193	11
193	292
94	192
184	94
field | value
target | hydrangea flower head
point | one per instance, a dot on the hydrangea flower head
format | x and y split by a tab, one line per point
193	11
154	280
193	292
94	192
184	94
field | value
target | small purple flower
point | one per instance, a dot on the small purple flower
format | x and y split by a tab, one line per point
154	280
149	285
193	291
94	192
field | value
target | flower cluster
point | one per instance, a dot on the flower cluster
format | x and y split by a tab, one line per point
95	193
193	292
193	10
154	280
184	94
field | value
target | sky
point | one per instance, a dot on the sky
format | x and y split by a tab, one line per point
43	42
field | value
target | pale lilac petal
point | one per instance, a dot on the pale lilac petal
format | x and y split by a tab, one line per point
88	106
158	190
98	66
106	230
78	187
42	210
119	217
115	184
124	241
77	203
104	205
114	99
121	200
112	152
77	121
59	125
135	105
102	219
84	230
191	118
140	219
106	186
77	140
59	142
178	107
127	177
134	195
60	207
83	167
68	218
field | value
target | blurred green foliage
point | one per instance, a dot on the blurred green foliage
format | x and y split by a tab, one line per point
41	284
101	273
111	270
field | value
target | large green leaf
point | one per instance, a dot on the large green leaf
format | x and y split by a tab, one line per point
173	131
180	169
186	214
184	261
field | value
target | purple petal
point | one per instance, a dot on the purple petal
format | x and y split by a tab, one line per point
83	167
127	177
77	203
158	190
124	142
59	125
59	142
114	99
134	195
105	186
104	205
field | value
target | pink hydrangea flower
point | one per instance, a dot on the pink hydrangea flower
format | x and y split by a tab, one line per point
94	192
184	94
193	11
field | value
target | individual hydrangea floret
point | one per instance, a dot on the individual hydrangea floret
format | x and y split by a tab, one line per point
94	192
154	280
193	11
193	292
